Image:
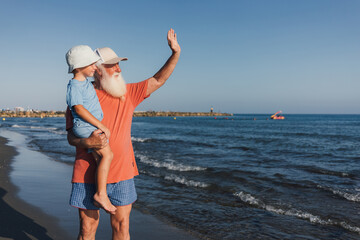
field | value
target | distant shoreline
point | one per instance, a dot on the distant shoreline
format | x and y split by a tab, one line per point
43	114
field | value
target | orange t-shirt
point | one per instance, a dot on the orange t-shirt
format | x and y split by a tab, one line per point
117	118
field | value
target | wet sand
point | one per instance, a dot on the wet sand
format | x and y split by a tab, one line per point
45	184
20	220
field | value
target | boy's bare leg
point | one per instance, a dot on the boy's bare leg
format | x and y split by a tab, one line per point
101	198
89	221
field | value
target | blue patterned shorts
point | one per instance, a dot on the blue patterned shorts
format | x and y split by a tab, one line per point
120	194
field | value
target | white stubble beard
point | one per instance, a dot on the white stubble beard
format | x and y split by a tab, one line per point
114	85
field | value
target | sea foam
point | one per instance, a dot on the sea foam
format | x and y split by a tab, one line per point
184	181
248	198
33	127
349	196
134	139
169	165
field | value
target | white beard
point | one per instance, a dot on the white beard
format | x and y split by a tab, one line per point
113	85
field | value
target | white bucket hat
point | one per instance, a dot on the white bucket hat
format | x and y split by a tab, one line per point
80	56
108	56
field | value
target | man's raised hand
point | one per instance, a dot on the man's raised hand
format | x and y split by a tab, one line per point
172	41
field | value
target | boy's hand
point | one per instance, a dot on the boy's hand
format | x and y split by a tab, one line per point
106	131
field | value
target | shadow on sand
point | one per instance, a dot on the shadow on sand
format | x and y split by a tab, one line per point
16	225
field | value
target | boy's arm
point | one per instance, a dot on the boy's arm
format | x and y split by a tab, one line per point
96	140
88	117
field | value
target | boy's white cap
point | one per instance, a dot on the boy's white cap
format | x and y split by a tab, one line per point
80	56
108	56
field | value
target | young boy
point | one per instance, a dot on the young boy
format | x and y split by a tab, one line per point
86	110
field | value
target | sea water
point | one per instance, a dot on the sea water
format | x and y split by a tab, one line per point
239	177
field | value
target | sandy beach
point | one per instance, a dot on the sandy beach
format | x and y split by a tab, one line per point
45	185
21	220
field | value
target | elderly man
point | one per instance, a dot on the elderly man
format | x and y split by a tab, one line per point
118	102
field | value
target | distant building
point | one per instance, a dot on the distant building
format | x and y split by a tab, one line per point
19	109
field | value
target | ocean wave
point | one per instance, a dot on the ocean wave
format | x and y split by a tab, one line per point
34	127
18	126
346	195
59	132
184	142
313	135
134	139
317	170
149	173
177	179
248	198
184	181
170	165
43	128
245	197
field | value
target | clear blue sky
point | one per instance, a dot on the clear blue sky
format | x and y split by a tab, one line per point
237	56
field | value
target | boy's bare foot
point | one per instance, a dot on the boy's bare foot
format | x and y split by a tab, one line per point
102	201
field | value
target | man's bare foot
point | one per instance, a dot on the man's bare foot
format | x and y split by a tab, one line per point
102	201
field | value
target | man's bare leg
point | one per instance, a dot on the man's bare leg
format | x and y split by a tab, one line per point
89	221
120	223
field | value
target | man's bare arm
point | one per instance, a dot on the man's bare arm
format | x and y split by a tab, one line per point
164	73
96	140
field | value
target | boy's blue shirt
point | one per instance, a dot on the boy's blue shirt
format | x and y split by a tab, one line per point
83	93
